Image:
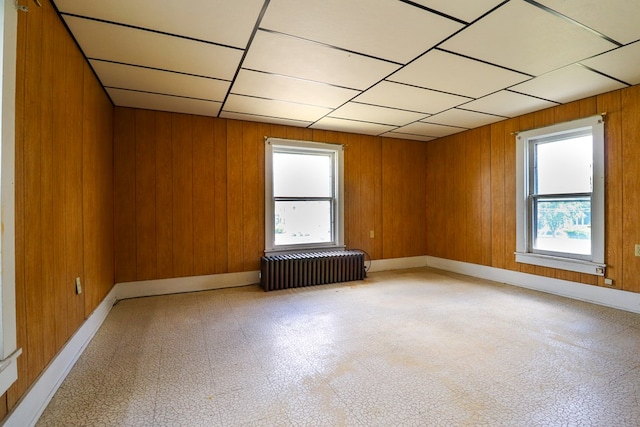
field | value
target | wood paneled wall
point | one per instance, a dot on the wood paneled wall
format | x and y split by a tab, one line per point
471	190
189	193
64	192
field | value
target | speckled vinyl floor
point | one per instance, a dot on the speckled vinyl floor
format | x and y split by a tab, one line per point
417	347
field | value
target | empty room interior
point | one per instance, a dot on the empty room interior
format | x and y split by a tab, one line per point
323	212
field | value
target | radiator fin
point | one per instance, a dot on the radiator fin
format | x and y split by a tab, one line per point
308	269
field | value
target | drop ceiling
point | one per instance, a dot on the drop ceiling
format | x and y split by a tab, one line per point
418	69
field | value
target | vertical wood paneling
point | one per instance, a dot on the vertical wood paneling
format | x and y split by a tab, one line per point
203	196
47	179
57	239
497	196
32	166
124	152
235	209
403	204
16	390
371	188
510	127
614	197
478	191
73	207
352	193
60	124
220	221
253	224
145	181
164	195
182	158
630	187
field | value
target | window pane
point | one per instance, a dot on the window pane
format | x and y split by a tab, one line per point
563	225
564	167
302	175
302	221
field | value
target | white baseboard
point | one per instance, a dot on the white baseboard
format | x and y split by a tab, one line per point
398	263
145	288
36	399
623	300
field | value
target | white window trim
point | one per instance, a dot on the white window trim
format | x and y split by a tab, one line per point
338	219
8	351
596	265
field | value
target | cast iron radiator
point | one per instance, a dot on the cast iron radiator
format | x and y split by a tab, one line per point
307	269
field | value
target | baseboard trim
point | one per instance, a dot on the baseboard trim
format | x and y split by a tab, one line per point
146	288
623	300
35	400
398	263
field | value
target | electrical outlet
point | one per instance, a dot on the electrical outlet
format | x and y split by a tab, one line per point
637	250
78	286
608	282
371	234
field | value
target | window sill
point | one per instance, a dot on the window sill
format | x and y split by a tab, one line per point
568	264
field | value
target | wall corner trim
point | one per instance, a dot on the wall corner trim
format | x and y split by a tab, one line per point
35	400
622	300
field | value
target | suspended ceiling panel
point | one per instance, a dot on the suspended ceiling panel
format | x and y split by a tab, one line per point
410	98
154	101
451	73
527	39
430	129
384	29
332	123
377	67
466	10
463	118
617	19
275	86
121	76
376	114
274	108
508	104
568	84
622	64
294	57
126	45
227	23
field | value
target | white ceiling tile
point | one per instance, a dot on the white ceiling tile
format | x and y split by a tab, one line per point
274	86
162	82
375	114
229	23
400	135
263	119
622	63
153	101
508	104
523	37
395	95
100	40
429	129
466	10
395	31
463	118
568	84
342	125
616	19
273	108
454	74
290	56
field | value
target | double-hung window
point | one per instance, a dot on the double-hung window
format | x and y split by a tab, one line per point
303	196
560	190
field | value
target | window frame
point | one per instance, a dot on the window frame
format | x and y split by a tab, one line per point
525	215
337	204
